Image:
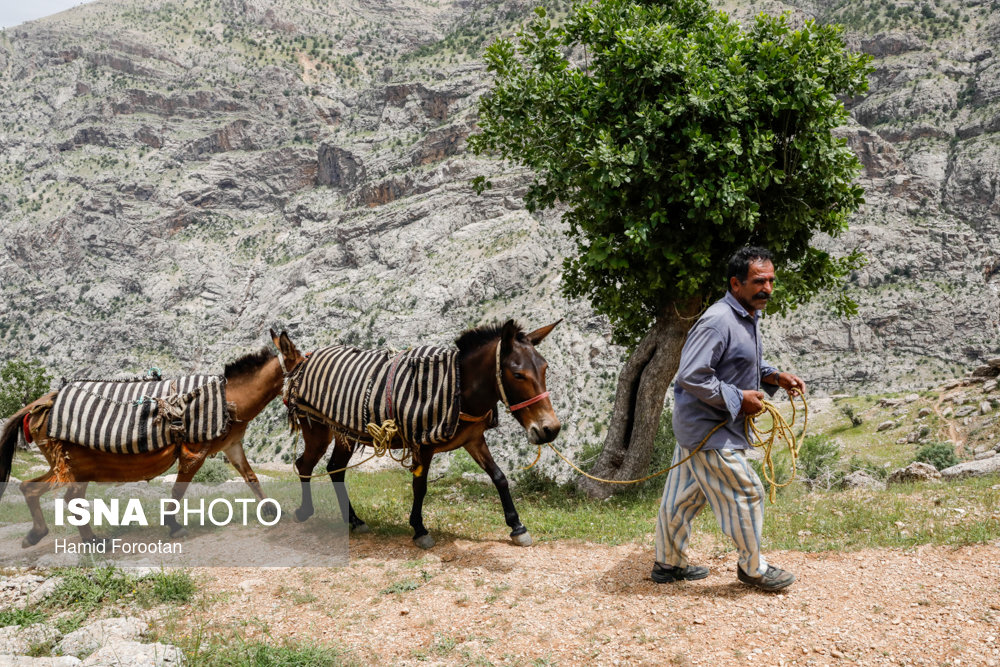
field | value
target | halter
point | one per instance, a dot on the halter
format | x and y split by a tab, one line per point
503	394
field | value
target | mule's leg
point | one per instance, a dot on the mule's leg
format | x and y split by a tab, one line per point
423	458
339	458
189	462
32	491
317	438
234	452
77	490
481	453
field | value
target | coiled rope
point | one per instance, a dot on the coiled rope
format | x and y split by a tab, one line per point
766	438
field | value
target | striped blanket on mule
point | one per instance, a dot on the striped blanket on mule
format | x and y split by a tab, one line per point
417	389
136	416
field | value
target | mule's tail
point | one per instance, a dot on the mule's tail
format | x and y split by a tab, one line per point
8	442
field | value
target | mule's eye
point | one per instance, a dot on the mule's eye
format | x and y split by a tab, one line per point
518	376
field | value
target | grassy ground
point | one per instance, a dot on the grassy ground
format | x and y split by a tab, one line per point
963	512
805	517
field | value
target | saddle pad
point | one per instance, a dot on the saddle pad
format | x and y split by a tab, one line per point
349	387
135	416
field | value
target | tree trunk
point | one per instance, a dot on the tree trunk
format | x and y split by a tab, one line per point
642	387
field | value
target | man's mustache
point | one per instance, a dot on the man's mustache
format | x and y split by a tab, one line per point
762	295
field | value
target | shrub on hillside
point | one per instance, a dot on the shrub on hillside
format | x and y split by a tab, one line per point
941	455
213	471
819	459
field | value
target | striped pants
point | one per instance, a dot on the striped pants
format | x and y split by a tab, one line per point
724	479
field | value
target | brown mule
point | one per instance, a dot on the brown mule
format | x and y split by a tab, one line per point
252	382
496	363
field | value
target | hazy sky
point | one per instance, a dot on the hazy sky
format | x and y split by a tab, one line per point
13	12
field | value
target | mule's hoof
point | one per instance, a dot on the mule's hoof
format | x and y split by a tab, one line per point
179	533
268	512
31	539
362	528
424	541
522	540
301	515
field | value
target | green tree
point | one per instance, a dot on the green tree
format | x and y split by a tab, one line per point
21	382
672	135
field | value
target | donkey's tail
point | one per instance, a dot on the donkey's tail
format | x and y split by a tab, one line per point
8	442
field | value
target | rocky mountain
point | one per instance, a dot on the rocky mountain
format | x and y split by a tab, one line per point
177	176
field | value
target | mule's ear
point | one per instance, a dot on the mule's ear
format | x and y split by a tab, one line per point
287	348
538	335
507	334
274	339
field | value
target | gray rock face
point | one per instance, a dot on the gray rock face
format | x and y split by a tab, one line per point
26	661
20	639
859	479
84	641
988	466
172	188
915	472
134	654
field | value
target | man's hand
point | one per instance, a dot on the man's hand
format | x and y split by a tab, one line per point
787	381
753	402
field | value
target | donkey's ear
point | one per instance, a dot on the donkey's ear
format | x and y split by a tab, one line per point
507	334
538	335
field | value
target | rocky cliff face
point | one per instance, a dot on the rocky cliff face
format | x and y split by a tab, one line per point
176	176
927	135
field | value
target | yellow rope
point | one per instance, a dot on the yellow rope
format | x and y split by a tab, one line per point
382	437
780	430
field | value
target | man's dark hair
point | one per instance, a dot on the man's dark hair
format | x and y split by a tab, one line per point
739	263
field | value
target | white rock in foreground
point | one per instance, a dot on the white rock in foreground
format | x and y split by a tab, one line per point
89	638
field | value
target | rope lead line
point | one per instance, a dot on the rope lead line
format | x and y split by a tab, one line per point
766	438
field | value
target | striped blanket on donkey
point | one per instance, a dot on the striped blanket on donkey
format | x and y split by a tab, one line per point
350	389
136	416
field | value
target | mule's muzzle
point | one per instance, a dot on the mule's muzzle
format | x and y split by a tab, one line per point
539	434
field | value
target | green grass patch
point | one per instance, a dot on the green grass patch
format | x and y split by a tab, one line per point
84	590
238	651
956	513
20	617
173	586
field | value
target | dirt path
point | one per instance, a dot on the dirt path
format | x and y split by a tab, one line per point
952	431
568	603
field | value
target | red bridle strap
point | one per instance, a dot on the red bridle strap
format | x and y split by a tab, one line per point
530	401
27	428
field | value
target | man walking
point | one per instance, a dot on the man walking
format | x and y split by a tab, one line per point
719	380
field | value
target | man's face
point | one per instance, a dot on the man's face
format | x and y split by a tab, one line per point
754	292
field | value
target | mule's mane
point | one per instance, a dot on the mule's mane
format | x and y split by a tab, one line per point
248	363
472	339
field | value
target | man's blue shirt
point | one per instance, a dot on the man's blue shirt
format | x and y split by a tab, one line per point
722	356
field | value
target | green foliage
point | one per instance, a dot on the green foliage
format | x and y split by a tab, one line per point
85	590
941	455
174	586
213	471
21	382
850	413
262	654
819	459
858	463
675	137
25	616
